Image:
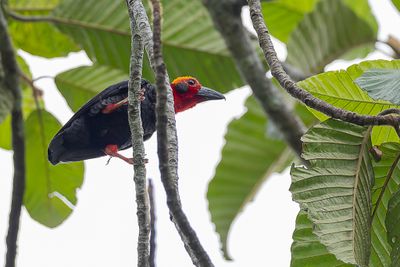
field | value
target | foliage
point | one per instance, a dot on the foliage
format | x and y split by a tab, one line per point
340	189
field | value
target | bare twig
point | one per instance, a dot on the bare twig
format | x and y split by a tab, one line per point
135	122
153	219
168	149
10	68
227	19
294	90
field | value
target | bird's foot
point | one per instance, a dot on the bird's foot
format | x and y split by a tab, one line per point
112	107
141	94
112	151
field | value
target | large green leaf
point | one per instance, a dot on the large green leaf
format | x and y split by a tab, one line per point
191	45
396	3
306	248
282	16
392	225
339	89
384	189
38	38
80	84
336	188
332	30
50	190
248	158
383	84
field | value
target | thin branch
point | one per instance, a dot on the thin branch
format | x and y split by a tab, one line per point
226	15
153	234
168	149
135	122
10	68
294	90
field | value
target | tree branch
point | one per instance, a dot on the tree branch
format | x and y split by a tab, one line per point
135	123
153	219
168	149
166	133
294	90
11	83
226	15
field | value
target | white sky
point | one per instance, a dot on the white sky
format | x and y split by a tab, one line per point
102	231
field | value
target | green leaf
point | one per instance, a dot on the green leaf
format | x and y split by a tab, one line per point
381	84
283	16
392	225
191	45
80	84
28	104
50	190
383	189
306	248
339	89
332	30
38	38
248	158
396	3
336	188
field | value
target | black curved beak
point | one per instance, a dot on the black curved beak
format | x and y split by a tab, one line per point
205	94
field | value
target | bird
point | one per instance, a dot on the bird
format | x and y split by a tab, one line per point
100	127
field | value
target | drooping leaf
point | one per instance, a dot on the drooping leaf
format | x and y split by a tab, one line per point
191	45
396	3
44	38
80	84
248	158
50	190
381	84
336	188
306	248
282	16
392	226
331	30
389	165
339	89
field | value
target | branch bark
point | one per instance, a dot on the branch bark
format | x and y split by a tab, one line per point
11	83
166	133
153	219
226	15
167	141
294	90
135	123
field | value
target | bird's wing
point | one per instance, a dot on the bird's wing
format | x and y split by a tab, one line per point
113	90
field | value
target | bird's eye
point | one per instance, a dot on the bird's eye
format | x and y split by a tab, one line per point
181	88
191	82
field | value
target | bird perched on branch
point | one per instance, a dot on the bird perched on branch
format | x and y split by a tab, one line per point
100	127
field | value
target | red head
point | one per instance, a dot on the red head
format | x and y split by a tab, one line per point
188	92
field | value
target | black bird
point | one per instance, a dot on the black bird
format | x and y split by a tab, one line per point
100	127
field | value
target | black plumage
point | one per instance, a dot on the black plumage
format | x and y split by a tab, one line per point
89	131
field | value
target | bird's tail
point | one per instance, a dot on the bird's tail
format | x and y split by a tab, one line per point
56	149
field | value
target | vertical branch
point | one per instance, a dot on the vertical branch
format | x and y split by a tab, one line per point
168	149
135	123
153	233
11	83
226	15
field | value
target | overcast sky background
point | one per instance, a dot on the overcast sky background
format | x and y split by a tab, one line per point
102	230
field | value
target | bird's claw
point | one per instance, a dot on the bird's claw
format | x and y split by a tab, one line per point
141	94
